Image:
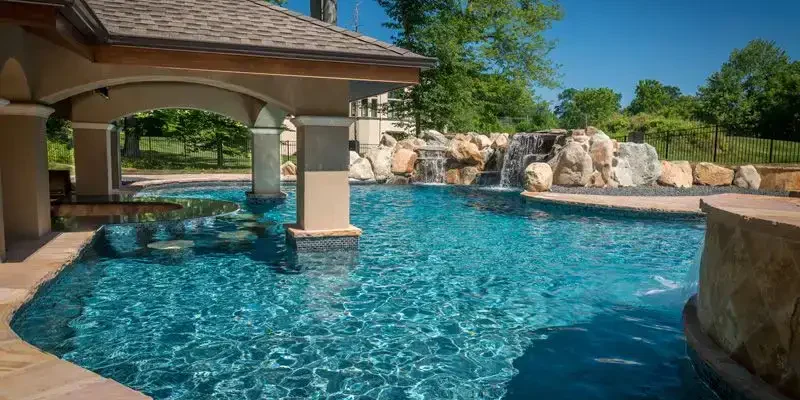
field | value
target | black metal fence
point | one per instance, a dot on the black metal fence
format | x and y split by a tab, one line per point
720	145
151	152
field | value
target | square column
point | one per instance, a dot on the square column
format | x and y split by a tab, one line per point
23	164
92	158
323	186
266	165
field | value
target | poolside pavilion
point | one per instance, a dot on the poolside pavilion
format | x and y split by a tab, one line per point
94	61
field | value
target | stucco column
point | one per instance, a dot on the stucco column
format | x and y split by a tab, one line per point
323	187
2	225
23	162
116	166
92	158
266	165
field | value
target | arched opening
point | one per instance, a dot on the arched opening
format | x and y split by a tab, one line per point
14	81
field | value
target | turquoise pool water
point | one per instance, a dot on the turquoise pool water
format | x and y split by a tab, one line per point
456	293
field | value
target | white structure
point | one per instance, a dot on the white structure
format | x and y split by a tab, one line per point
373	118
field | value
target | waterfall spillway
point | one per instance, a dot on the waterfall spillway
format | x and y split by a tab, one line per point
524	149
431	164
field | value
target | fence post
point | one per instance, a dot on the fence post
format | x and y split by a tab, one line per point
716	141
771	148
666	147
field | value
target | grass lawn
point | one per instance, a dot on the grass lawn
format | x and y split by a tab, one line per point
735	150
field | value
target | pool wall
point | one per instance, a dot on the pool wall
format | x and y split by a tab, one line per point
748	302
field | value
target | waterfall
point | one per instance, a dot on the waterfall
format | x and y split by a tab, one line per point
431	164
524	149
691	281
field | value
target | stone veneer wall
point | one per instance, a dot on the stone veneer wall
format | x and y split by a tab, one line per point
749	295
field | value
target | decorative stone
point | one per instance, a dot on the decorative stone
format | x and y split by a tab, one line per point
469	175
361	170
171	245
621	173
465	152
388	141
602	152
403	162
462	176
288	169
482	141
381	160
500	142
709	174
354	157
412	144
676	174
538	177
780	178
747	177
643	161
433	137
573	166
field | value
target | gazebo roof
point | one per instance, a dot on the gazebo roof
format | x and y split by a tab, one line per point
252	27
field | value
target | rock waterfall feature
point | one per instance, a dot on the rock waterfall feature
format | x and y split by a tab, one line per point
431	164
524	149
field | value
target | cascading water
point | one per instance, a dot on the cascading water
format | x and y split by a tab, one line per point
431	164
524	149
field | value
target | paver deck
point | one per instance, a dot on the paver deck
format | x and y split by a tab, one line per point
667	204
25	371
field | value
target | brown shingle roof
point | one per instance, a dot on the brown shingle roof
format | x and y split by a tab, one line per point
239	25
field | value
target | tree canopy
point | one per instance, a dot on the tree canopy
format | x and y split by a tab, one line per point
490	53
578	108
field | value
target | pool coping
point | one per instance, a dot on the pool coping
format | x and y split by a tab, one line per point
26	372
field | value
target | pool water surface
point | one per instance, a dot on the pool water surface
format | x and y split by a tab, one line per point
456	293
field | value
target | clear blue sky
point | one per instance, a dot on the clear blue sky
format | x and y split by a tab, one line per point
615	43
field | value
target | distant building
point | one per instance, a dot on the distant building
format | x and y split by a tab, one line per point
373	117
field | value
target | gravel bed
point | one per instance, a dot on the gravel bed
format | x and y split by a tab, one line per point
663	191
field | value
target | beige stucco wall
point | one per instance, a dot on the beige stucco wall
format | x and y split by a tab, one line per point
23	162
749	295
93	160
2	225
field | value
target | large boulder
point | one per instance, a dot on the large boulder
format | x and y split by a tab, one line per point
388	141
465	152
602	152
747	177
403	162
500	142
381	159
362	170
482	141
288	169
354	157
398	180
538	177
462	176
643	161
709	174
412	144
572	166
676	174
622	174
435	138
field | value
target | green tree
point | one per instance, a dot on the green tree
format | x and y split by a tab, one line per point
591	106
483	48
653	97
738	95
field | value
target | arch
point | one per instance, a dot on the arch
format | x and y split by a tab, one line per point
14	82
128	99
76	91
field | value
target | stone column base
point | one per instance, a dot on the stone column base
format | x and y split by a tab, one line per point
256	198
327	240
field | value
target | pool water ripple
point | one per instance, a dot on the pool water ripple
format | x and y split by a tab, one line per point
451	290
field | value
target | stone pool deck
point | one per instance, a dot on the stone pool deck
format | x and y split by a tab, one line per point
142	181
664	204
25	371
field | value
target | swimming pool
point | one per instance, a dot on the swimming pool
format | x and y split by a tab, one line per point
455	293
